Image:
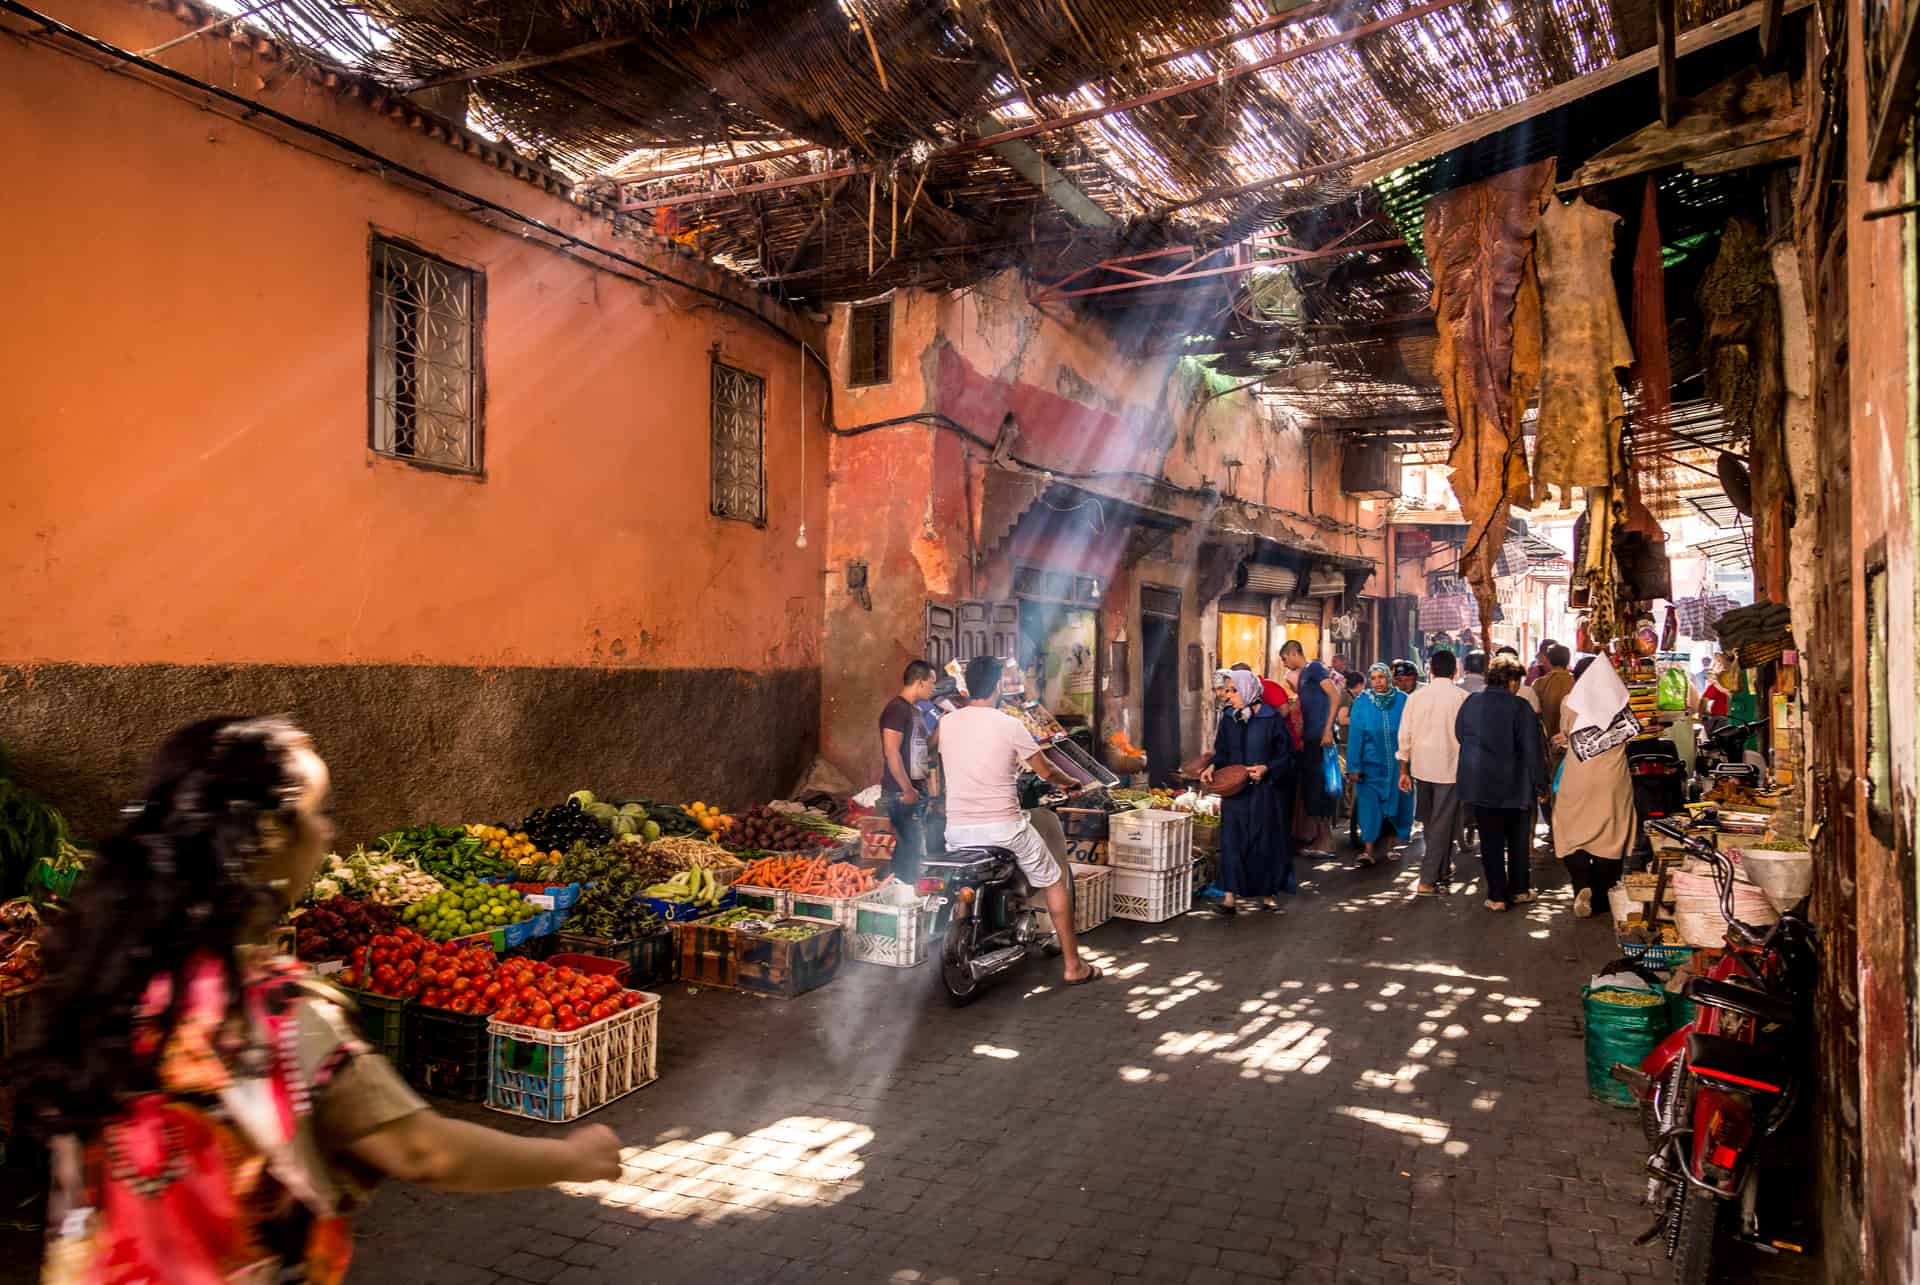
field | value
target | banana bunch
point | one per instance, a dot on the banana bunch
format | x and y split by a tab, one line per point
689	885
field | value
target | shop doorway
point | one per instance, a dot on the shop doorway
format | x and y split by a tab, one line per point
1160	683
1243	640
1306	633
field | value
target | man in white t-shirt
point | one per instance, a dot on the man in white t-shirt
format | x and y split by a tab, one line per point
982	751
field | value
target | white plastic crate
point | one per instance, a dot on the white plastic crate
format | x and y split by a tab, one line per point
1151	896
889	931
1145	839
1092	899
557	1076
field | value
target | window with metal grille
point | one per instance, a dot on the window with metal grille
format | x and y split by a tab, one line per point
871	327
425	366
739	467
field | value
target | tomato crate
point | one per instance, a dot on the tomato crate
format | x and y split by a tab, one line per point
383	1024
706	954
447	1053
649	956
593	965
892	927
1152	896
1145	839
558	1076
782	969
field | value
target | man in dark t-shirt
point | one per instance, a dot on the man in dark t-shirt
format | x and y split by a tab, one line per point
904	760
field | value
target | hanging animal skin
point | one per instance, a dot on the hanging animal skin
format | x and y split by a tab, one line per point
1486	300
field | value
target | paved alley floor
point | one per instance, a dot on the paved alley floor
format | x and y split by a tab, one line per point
1363	1088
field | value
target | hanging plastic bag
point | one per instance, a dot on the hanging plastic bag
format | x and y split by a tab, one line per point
1674	690
1330	779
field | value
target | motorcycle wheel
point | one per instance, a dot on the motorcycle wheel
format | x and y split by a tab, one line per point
1700	1216
957	981
1667	1092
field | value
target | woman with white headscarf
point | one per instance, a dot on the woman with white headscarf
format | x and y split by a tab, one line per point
1255	857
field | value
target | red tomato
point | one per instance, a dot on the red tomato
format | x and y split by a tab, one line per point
461	985
564	1012
410	990
463	1003
630	999
547	1022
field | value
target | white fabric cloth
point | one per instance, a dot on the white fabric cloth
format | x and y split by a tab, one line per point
1427	743
1019	837
1597	696
981	752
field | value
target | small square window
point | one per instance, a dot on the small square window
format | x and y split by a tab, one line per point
871	329
739	471
425	344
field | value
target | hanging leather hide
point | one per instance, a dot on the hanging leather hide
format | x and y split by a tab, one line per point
1479	244
1584	344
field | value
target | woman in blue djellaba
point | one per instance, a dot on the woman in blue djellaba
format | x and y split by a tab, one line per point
1256	858
1385	810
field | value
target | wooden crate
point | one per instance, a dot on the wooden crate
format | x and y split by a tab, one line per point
707	954
783	969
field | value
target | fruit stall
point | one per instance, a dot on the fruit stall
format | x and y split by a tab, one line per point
520	964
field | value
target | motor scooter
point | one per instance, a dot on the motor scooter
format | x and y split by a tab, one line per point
988	918
1717	1091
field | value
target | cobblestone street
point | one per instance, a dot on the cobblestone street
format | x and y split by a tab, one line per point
1364	1088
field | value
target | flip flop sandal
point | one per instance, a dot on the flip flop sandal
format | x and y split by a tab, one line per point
1093	975
1366	861
1427	892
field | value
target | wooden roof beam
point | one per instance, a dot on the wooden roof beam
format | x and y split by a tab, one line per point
514	65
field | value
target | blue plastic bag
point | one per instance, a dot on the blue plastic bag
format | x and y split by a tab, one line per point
1330	779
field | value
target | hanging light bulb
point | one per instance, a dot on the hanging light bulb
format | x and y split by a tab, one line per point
800	541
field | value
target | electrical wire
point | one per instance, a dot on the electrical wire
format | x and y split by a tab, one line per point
571	244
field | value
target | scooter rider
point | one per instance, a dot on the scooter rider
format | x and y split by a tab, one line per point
982	751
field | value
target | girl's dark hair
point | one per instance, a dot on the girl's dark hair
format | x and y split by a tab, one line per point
182	880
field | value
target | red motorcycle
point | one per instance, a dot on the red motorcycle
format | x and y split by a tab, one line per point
1718	1090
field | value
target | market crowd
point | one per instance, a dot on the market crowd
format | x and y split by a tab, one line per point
1476	753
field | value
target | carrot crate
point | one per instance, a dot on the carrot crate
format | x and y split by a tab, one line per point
775	901
783	968
563	1075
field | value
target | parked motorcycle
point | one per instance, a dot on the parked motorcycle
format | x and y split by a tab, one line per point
988	917
1722	754
1717	1091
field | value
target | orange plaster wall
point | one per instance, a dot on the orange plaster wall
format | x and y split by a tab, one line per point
186	417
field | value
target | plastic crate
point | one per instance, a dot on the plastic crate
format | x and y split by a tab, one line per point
649	957
775	901
891	933
704	954
383	1024
783	969
1145	839
564	895
1083	823
676	912
13	1014
826	910
1648	956
1092	899
1152	896
446	1053
596	965
563	1075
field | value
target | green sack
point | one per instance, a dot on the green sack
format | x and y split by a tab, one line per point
1622	1026
1674	690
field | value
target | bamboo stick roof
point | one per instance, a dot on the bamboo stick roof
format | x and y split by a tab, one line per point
614	91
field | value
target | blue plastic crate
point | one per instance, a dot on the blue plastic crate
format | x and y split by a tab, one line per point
564	895
675	912
521	933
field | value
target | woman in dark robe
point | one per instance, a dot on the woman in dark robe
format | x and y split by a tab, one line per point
1255	854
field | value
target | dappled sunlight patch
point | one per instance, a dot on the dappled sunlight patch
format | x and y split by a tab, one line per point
996	1052
1432	1132
800	1160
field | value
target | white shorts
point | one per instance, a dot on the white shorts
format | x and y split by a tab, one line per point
1018	837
